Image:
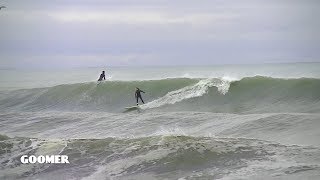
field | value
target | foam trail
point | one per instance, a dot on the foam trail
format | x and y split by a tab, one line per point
188	92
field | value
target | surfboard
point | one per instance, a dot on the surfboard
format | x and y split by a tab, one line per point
132	107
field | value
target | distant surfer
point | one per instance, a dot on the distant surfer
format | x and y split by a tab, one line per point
102	76
138	95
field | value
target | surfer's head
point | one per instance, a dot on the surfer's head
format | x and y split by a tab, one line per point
102	72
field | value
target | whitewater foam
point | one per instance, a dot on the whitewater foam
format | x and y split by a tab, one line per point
197	90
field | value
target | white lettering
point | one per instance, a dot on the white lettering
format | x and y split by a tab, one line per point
50	159
41	159
24	159
32	159
44	159
57	159
64	159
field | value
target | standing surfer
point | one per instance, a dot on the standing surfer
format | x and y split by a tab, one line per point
102	76
138	95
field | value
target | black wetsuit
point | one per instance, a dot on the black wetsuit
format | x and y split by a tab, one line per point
102	77
138	95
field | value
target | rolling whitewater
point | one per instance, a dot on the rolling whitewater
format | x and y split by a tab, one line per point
222	122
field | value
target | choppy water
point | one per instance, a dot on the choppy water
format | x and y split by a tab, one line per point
255	123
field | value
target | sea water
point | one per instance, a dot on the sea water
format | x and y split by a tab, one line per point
212	122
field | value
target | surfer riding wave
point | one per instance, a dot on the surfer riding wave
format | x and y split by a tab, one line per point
138	95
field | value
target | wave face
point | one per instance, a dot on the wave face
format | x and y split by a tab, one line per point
158	157
248	95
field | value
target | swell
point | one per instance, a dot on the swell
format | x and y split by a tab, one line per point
285	128
107	96
248	95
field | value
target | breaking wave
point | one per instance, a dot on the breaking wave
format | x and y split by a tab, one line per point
164	157
248	95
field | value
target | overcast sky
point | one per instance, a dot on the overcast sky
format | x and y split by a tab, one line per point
73	33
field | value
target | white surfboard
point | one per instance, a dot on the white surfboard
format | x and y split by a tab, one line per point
132	107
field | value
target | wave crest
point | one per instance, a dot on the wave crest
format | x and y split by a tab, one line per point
248	95
196	90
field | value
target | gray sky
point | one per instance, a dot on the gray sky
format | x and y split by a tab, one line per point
73	33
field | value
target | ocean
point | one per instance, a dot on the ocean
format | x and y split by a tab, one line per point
199	122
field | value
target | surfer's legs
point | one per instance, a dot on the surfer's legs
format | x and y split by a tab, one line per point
141	99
